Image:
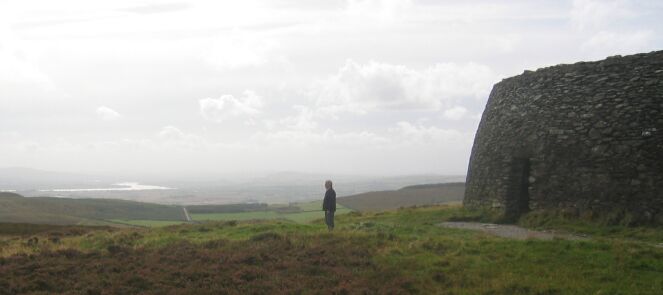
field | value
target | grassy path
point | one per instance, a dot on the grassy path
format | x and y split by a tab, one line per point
186	214
512	231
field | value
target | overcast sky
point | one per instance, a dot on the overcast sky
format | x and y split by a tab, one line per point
353	87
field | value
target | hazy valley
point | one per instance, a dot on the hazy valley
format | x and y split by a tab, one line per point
280	187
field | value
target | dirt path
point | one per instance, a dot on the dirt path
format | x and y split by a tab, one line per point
186	214
511	231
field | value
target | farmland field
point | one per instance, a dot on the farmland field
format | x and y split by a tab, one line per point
417	195
308	211
147	223
15	208
49	210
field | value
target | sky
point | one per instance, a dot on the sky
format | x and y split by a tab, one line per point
372	87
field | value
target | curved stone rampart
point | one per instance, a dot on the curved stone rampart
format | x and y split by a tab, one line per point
586	136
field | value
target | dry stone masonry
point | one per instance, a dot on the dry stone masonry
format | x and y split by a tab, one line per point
585	137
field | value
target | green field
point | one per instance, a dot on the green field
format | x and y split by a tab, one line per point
298	212
396	252
65	211
146	223
312	211
236	216
416	195
49	210
399	251
15	208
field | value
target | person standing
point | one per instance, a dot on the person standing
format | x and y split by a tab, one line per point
329	205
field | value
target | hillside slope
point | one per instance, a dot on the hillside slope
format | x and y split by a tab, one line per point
392	252
416	195
15	208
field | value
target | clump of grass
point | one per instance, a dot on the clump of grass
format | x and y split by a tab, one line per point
401	251
266	237
484	216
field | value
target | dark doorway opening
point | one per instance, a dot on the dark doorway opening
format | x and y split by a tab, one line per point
518	202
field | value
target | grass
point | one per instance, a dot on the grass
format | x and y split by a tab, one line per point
416	195
308	211
66	211
600	226
236	216
15	208
146	223
227	208
397	252
314	205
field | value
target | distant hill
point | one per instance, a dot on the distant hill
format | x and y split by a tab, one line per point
416	195
227	208
15	208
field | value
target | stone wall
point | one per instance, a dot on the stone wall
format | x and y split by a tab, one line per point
585	136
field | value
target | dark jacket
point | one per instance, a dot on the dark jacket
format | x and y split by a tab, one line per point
329	203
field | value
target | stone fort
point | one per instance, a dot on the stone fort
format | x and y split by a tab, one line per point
583	137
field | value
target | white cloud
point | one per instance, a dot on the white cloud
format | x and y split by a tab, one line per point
302	130
593	14
422	50
320	139
380	86
17	70
175	137
20	76
304	120
455	113
227	106
107	114
171	132
611	43
610	27
240	49
383	11
504	42
403	136
420	134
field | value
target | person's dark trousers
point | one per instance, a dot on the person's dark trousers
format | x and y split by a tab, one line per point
329	219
